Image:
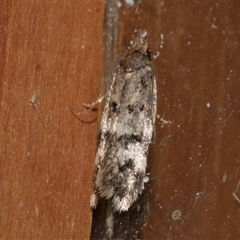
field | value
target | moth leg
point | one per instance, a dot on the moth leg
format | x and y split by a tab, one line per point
109	220
94	200
88	106
92	105
95	196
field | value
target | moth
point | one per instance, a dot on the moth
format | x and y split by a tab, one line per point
126	129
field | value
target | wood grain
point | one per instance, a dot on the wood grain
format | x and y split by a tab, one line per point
194	186
51	54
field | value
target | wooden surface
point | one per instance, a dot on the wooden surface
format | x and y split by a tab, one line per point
51	56
194	186
195	165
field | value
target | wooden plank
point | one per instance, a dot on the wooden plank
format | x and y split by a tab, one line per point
194	187
51	54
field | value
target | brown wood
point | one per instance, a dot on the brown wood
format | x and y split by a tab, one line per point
194	186
51	57
51	54
196	166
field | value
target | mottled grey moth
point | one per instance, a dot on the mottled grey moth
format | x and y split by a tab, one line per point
126	129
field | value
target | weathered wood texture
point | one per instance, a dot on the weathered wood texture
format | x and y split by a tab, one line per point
196	164
194	186
50	55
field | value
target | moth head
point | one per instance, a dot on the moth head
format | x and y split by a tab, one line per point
139	44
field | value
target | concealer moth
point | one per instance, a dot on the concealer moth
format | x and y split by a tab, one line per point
126	130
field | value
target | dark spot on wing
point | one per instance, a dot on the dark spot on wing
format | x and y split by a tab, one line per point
135	138
130	108
130	138
128	165
141	107
113	106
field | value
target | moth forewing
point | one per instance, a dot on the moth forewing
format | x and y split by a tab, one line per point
126	129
